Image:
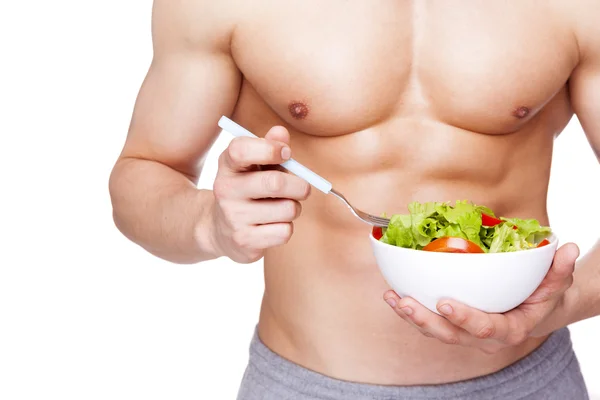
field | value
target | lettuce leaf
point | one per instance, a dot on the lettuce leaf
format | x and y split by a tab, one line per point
530	229
423	220
399	232
468	218
426	222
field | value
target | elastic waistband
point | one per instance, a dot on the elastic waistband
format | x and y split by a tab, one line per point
529	374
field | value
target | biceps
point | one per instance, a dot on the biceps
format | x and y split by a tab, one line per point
175	116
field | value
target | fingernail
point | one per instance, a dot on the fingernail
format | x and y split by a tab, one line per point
286	153
407	310
446	309
391	301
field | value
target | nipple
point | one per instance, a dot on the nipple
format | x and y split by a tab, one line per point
521	112
298	110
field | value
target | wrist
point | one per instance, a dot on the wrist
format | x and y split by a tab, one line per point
205	229
583	297
570	308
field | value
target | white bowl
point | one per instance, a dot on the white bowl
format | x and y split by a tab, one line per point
490	282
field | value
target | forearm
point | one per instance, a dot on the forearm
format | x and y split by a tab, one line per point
583	298
162	211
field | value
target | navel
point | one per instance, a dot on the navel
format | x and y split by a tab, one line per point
298	110
521	112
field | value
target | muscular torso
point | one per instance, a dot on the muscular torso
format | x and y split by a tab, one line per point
395	101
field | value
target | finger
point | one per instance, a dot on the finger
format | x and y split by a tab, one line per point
563	264
477	323
560	275
244	152
264	236
392	299
274	211
278	134
429	323
269	185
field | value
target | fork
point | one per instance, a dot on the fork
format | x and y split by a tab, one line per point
301	171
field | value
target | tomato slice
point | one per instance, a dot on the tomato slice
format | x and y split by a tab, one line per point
543	243
488	220
453	245
377	232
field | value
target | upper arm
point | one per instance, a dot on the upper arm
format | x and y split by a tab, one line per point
585	81
191	82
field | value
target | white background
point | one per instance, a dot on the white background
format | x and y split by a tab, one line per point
86	314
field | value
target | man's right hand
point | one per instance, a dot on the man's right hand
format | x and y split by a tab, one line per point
254	209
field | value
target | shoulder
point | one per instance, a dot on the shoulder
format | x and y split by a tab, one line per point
583	19
196	24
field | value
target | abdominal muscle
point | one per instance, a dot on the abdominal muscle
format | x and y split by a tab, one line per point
323	304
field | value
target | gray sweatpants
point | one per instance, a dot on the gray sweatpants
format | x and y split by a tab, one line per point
551	372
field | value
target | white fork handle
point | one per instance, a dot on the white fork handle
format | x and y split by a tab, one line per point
291	165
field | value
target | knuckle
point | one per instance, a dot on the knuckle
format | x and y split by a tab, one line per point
486	331
236	150
220	188
569	282
401	314
281	234
419	322
231	213
297	209
289	210
273	181
223	157
254	256
522	336
517	338
240	238
450	338
304	189
461	319
274	151
286	232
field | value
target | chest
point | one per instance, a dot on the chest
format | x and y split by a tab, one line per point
340	66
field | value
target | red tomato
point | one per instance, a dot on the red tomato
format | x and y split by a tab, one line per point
453	245
488	220
543	243
377	232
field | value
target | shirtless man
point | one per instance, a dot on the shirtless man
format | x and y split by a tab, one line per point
392	101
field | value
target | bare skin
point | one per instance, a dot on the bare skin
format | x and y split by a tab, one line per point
392	103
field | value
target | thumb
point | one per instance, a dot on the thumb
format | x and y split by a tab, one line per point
564	262
278	134
560	276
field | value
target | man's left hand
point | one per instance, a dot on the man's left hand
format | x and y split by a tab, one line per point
541	314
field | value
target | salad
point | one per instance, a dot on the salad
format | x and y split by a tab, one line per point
461	228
